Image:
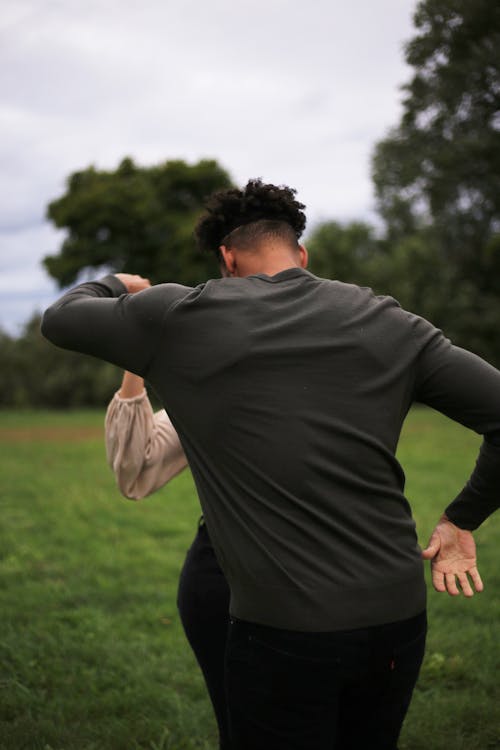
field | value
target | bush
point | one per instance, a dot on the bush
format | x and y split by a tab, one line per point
35	373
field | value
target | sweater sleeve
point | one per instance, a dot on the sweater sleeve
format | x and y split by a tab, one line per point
464	387
101	319
143	448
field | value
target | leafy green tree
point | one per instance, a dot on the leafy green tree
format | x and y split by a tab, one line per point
437	174
347	252
441	165
135	219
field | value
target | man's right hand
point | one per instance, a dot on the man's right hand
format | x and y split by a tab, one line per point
133	282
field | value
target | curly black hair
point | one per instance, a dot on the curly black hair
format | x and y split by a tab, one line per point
227	210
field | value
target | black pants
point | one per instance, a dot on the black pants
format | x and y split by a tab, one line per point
347	690
203	602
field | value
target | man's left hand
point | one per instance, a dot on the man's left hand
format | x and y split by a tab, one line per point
452	552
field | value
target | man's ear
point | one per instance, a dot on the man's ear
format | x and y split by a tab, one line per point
304	256
229	259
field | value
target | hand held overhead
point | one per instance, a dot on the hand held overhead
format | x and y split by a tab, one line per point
133	282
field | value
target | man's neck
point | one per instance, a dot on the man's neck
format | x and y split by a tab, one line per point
268	263
268	260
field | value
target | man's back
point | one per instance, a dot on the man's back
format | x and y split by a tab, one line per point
289	393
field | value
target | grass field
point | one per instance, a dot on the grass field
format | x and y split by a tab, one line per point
92	653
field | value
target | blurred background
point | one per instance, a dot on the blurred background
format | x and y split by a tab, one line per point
118	118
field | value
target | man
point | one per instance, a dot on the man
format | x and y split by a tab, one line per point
288	393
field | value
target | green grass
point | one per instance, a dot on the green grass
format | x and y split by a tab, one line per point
92	654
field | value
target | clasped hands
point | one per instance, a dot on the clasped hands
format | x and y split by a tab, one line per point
133	282
452	552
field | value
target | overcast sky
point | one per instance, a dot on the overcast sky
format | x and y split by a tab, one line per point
291	91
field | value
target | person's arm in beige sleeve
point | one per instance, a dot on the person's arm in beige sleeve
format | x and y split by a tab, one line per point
142	447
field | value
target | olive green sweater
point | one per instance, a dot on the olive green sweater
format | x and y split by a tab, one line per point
288	394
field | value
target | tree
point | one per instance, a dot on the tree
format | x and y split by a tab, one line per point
347	252
440	166
135	219
437	174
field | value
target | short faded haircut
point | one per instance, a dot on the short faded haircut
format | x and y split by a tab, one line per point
244	217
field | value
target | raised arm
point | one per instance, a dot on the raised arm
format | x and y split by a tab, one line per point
143	448
108	320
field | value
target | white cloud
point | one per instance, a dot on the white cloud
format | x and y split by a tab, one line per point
294	92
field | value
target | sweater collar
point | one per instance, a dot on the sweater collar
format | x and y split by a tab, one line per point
288	273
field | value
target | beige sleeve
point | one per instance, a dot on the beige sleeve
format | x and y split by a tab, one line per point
143	448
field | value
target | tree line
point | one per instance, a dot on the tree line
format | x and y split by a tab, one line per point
437	183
